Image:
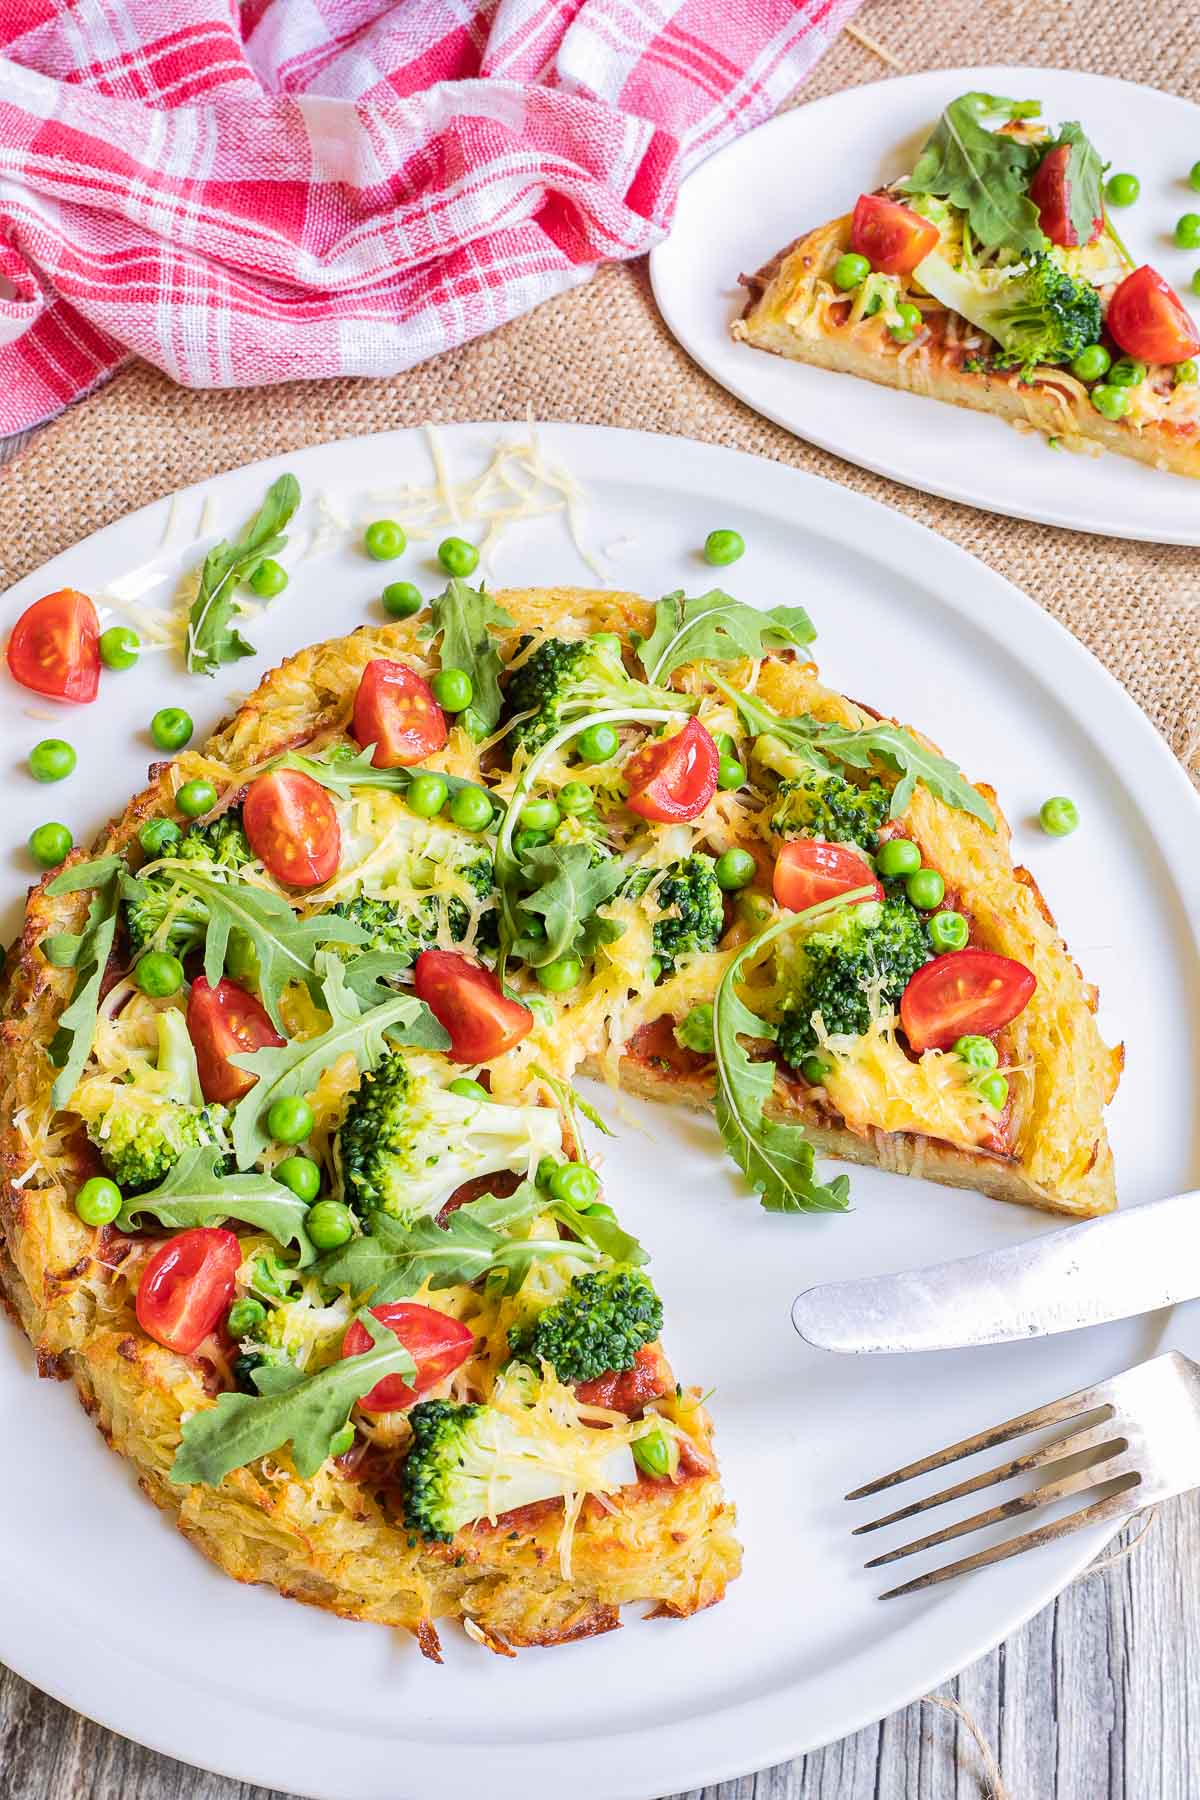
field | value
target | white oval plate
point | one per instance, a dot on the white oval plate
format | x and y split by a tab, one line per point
810	165
105	1606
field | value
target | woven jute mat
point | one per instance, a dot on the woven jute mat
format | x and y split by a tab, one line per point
601	354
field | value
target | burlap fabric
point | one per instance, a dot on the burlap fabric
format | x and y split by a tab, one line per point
601	354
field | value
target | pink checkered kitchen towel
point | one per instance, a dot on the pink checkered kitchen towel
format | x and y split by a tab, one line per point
249	193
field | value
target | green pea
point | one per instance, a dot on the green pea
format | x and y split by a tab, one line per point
994	1089
948	931
599	1209
1111	402
158	837
270	578
910	320
540	815
524	841
384	540
723	547
329	1224
575	798
427	794
245	1316
51	760
290	1119
1186	372
49	844
561	974
734	869
545	1170
119	647
195	797
976	1052
171	728
575	1184
467	1089
458	557
1187	231
730	772
850	271
1092	363
342	1440
814	1069
1122	189
1058	816
898	856
695	1030
925	889
159	974
652	1453
453	690
1194	176
598	743
471	809
401	599
1127	373
301	1174
99	1201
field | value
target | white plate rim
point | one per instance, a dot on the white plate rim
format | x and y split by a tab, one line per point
752	1734
992	78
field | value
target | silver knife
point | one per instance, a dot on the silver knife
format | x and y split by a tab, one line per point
1112	1268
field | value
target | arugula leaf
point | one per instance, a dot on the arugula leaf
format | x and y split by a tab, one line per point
286	946
342	774
306	1411
296	1067
571	1101
395	1260
604	1235
369	976
1085	172
87	953
568	888
985	174
212	636
716	628
195	1192
857	746
466	617
776	1158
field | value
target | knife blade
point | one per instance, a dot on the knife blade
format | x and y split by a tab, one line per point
1112	1268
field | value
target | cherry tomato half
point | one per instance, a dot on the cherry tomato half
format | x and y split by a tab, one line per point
187	1286
436	1342
1050	191
892	237
965	993
396	711
224	1021
1149	320
807	872
293	827
674	778
55	647
468	1001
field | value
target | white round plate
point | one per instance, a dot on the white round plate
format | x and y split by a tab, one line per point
810	165
105	1606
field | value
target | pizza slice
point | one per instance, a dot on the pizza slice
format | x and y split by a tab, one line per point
992	277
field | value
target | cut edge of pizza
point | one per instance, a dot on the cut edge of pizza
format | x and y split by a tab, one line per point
1004	299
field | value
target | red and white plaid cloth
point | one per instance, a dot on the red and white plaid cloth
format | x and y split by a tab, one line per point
249	193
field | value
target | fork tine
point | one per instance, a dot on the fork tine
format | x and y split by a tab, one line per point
1058	1450
1091	1477
1114	1506
1055	1413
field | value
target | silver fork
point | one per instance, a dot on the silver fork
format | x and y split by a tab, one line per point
1139	1431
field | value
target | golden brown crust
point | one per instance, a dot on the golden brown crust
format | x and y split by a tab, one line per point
794	311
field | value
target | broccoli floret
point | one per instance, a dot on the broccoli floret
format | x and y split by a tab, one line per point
830	807
163	913
693	910
144	1125
427	855
870	949
1036	312
598	1326
564	679
406	1143
471	1462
